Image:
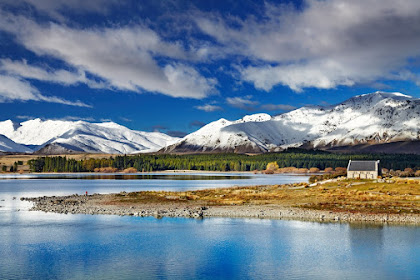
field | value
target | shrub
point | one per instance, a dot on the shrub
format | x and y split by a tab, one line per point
106	170
302	170
130	170
328	169
314	170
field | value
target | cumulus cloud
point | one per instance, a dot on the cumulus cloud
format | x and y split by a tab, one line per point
124	57
244	102
209	108
24	70
13	88
322	44
55	8
319	74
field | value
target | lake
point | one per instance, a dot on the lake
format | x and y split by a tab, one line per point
36	245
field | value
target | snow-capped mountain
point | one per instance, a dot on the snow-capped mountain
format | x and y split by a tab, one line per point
7	145
80	136
373	118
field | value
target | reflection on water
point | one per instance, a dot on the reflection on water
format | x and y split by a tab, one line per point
36	245
366	237
119	176
57	246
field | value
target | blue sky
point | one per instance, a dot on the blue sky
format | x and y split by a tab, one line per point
176	65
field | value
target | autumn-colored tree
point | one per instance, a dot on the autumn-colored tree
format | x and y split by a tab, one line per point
409	170
302	170
328	169
273	166
130	170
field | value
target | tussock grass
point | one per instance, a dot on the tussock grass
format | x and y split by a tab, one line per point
401	196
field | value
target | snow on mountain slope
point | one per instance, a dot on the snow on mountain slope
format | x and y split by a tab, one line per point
373	118
82	136
7	145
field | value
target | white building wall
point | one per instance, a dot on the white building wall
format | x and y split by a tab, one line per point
362	174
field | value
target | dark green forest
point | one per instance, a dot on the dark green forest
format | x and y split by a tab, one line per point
220	162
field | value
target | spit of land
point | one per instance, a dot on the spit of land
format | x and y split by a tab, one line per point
394	200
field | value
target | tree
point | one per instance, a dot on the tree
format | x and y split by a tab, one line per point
314	170
272	166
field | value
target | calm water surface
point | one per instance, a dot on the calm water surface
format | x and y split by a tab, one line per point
35	245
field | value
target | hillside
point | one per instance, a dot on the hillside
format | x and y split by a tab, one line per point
7	145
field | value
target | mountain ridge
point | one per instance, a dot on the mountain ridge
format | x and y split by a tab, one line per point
380	121
367	119
81	136
8	145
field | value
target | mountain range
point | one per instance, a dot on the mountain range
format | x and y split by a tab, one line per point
56	136
374	122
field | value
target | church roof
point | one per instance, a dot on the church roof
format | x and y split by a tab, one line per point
363	165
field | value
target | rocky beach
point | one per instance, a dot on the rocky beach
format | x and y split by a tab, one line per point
195	204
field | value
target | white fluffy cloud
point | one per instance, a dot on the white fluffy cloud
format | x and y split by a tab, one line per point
55	8
323	44
13	88
126	58
24	70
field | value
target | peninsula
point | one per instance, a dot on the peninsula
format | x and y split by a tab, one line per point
394	200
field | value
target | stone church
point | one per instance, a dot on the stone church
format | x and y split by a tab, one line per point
363	169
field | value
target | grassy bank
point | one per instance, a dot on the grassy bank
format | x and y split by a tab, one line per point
396	201
395	197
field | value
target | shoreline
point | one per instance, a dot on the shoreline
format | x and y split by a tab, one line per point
101	204
159	171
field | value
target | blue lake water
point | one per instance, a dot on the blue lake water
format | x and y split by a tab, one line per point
36	245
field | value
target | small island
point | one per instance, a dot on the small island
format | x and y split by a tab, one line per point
395	200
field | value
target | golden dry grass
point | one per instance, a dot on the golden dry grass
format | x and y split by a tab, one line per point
402	196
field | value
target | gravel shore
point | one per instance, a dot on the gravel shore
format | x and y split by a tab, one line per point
98	204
